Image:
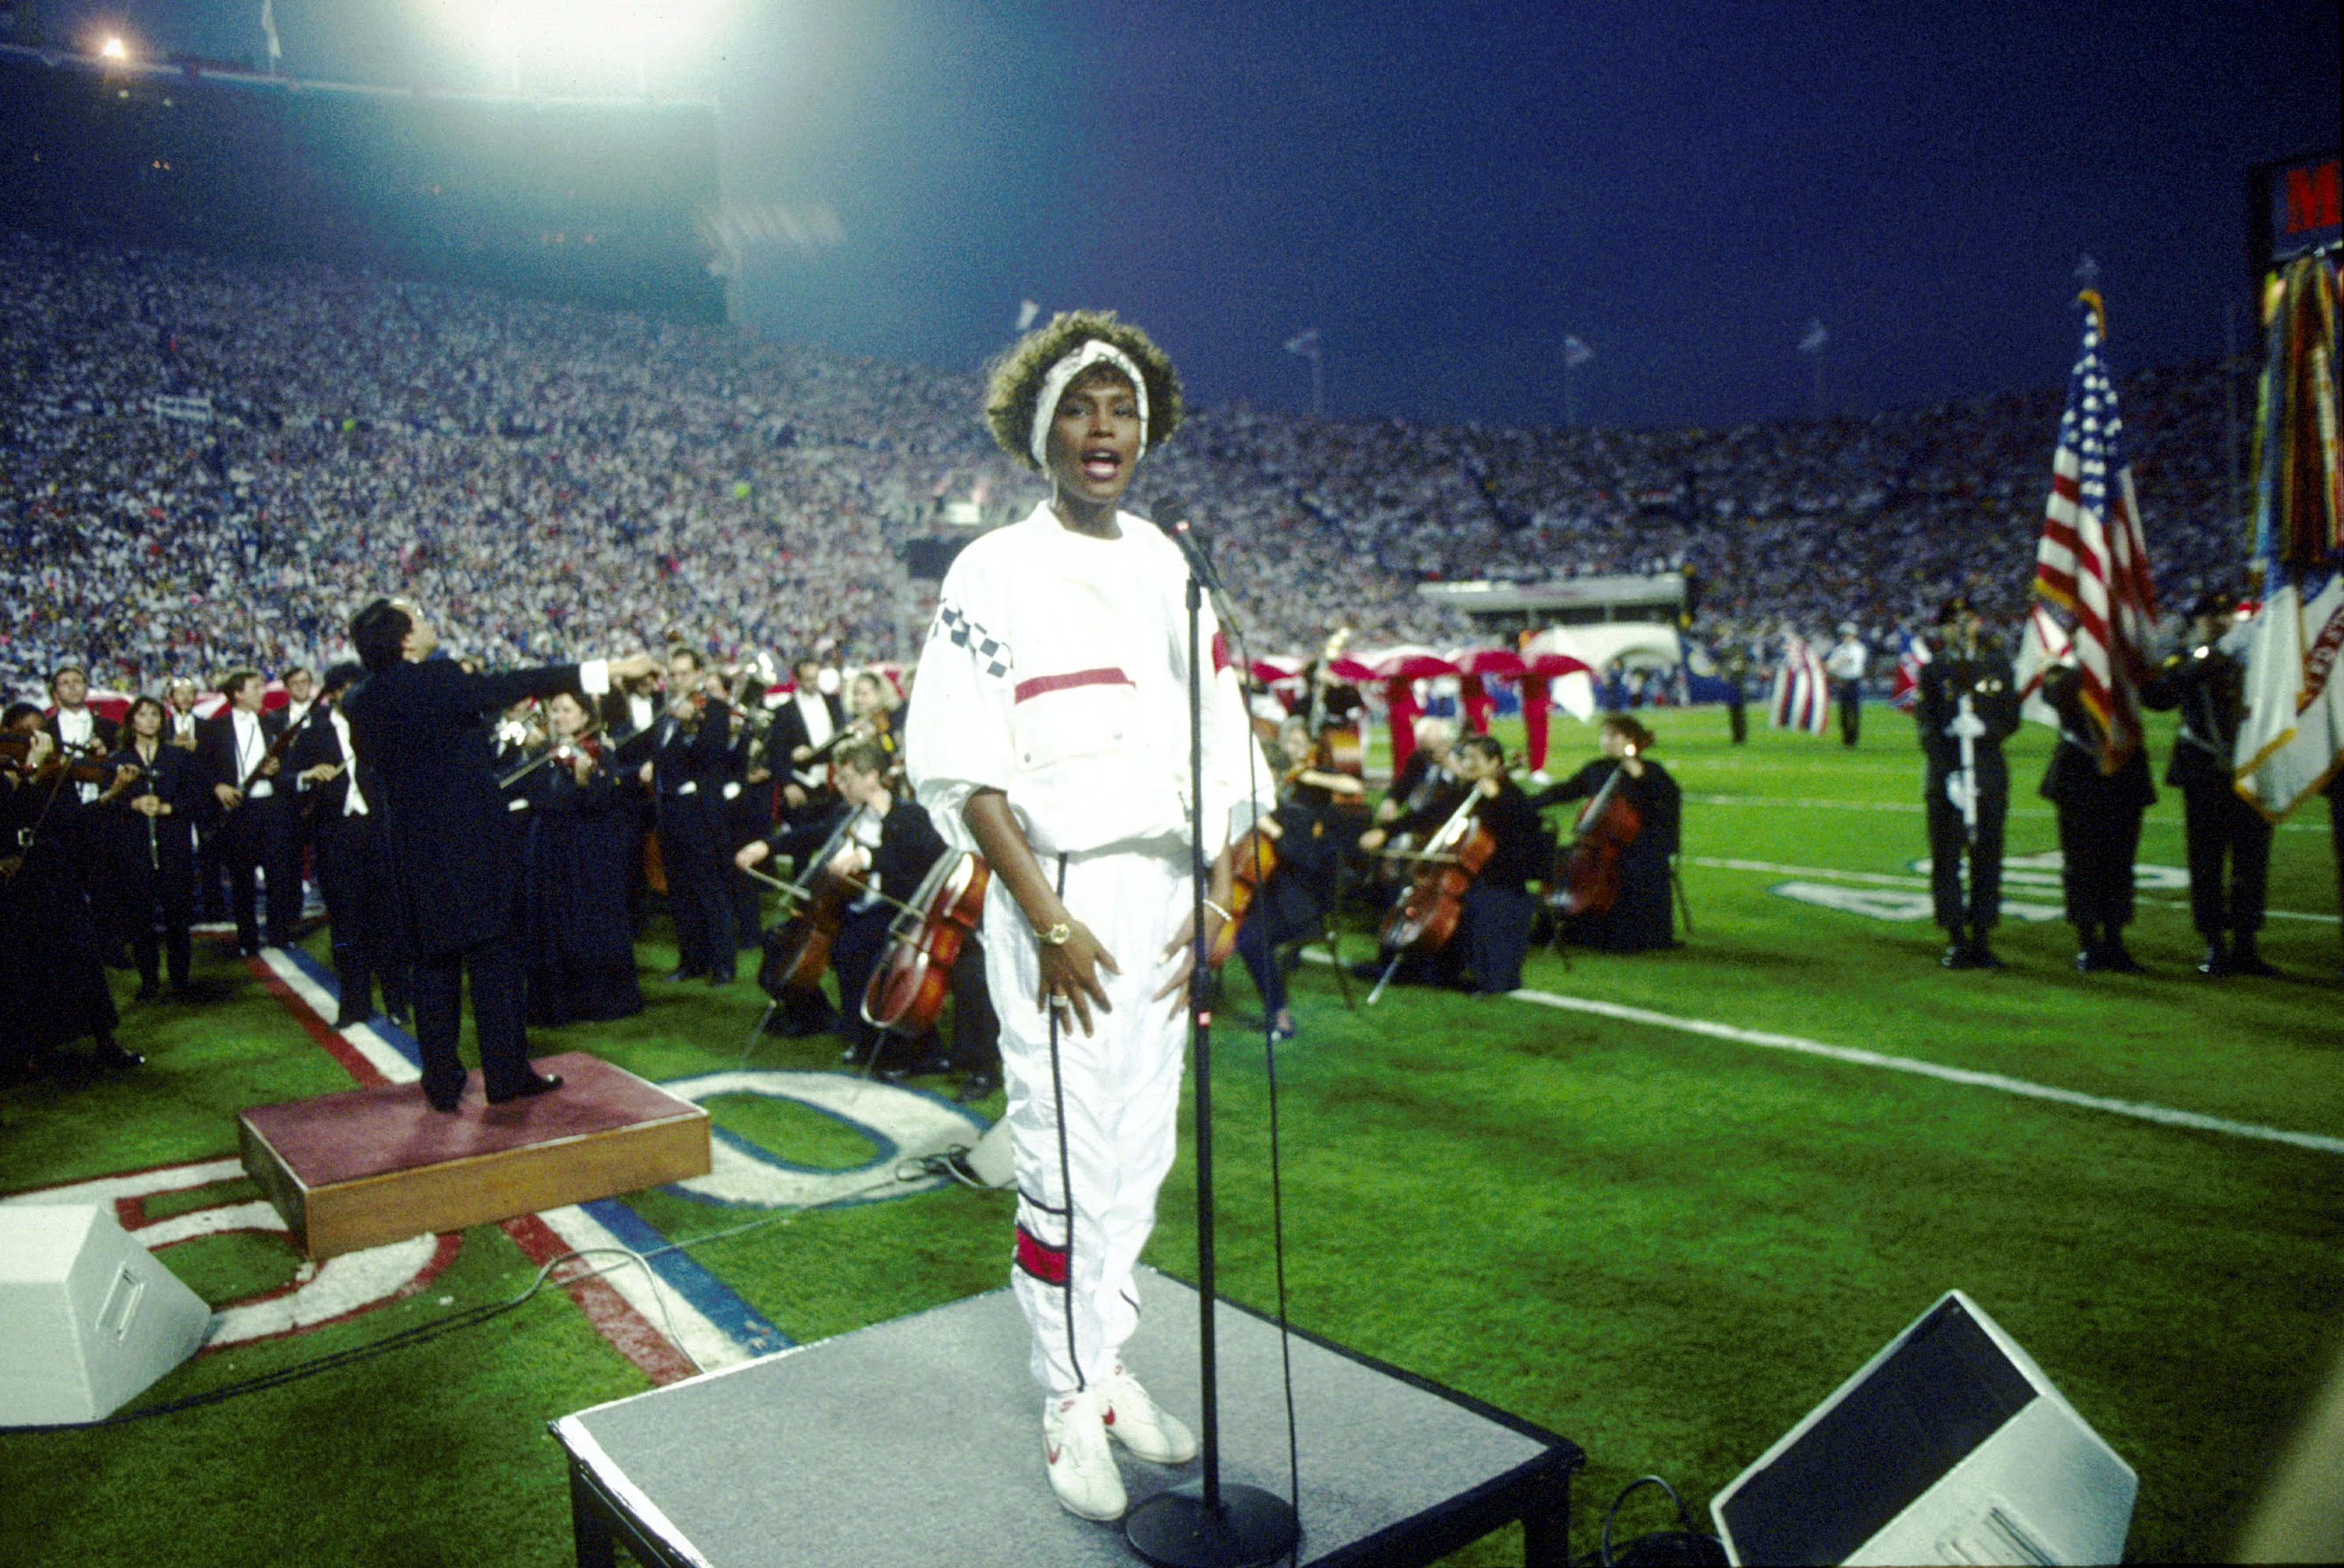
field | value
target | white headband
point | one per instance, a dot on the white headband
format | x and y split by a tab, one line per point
1094	351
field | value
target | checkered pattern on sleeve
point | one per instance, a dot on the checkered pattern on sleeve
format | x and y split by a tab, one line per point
990	653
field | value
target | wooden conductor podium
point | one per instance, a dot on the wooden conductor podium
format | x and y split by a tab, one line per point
371	1165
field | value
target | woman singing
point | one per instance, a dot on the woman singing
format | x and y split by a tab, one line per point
1640	917
1051	734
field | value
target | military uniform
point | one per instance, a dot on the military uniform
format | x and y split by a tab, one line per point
2207	686
2099	827
1985	679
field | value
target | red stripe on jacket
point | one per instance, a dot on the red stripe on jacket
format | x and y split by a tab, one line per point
1041	685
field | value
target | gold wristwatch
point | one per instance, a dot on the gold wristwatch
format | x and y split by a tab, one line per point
1057	935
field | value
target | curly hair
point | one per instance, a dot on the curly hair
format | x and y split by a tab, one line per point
1013	382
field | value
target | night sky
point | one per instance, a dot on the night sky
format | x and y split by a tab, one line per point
1447	190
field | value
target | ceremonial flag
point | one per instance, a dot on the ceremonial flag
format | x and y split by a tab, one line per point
1304	343
1904	686
2044	642
2291	741
1802	690
2091	559
1817	336
1576	352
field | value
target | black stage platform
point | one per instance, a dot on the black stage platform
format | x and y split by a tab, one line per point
918	1442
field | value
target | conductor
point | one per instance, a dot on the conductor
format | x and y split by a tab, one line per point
425	763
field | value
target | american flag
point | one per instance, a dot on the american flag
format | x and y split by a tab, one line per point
2092	561
1802	690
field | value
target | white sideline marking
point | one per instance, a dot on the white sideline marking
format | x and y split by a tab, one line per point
659	1304
379	1053
2144	1111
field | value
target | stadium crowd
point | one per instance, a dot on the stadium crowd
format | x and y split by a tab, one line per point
209	463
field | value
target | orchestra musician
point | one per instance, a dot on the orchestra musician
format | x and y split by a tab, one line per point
1418	783
2206	680
1306	832
802	724
1493	935
149	849
691	761
579	945
423	762
1052	736
342	827
889	850
1640	917
53	987
253	822
181	730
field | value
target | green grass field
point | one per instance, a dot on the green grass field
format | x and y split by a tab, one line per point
1666	1245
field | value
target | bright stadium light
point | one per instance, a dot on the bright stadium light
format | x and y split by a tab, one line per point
591	48
114	48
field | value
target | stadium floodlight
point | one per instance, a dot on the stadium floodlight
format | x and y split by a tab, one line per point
588	47
114	48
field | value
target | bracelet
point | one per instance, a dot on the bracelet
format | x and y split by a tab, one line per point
1057	935
1218	910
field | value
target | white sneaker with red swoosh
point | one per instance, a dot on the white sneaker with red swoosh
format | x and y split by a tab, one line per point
1141	1425
1074	1452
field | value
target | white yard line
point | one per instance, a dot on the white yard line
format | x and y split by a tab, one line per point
2140	1110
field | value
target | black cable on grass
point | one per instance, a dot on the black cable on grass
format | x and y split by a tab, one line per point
471	1317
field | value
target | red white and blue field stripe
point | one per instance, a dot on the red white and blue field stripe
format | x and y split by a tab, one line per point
715	1326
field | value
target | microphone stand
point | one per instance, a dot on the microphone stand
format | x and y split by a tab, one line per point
1202	1524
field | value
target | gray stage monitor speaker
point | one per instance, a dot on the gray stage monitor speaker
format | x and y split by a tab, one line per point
1949	1446
88	1318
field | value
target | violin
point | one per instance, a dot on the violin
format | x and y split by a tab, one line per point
1586	879
908	988
69	762
1253	860
565	752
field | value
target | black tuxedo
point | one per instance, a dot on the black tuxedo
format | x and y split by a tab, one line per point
425	767
689	771
258	835
102	730
348	870
789	732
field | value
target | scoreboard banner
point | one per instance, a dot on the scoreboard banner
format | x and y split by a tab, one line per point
2292	207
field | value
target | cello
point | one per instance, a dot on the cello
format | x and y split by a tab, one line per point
1587	870
1422	919
908	988
798	950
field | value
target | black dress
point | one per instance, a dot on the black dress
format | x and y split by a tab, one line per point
582	951
48	947
149	862
1641	917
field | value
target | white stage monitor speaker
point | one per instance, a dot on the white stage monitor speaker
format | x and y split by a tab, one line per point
1949	1446
90	1316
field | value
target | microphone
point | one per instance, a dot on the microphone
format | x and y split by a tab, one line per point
1170	513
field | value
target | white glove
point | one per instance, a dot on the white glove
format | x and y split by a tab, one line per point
1968	724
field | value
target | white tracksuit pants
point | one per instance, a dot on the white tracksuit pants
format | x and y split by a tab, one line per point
1092	1117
